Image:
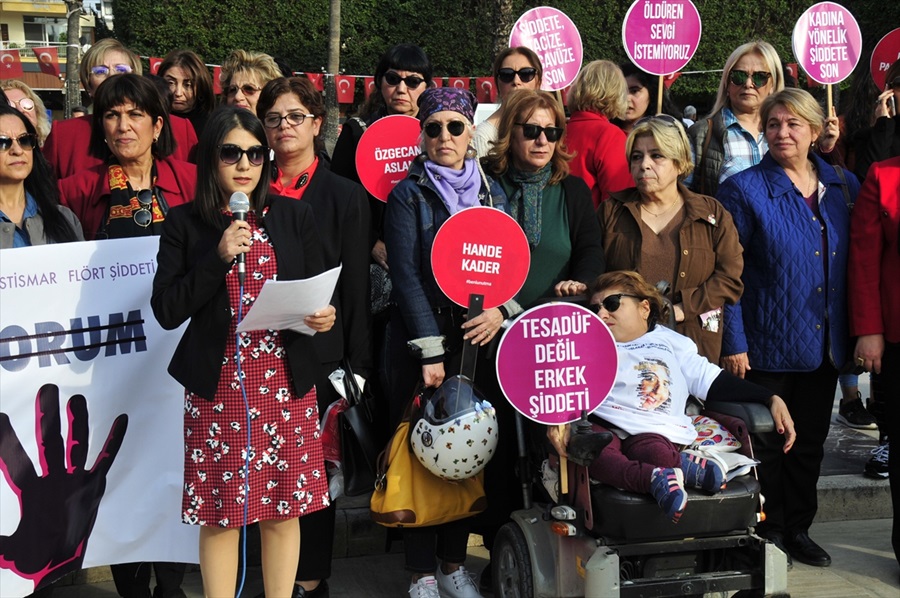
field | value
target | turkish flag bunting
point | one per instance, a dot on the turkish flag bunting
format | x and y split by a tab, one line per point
438	81
10	64
458	82
154	65
345	85
217	80
668	80
48	60
316	79
485	90
368	86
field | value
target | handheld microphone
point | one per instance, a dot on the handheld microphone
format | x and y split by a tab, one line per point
239	205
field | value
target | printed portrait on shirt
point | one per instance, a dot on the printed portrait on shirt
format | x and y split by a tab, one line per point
653	391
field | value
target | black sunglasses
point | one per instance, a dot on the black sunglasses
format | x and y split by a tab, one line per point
612	302
758	78
246	89
232	154
455	127
507	75
665	118
27	141
534	131
143	216
412	81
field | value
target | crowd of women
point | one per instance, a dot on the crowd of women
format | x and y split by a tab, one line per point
765	248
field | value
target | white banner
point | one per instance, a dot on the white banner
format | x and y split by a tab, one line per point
77	318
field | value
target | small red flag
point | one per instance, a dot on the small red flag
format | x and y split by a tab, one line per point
154	65
458	82
485	90
217	80
668	80
48	60
346	85
368	86
438	81
317	81
10	65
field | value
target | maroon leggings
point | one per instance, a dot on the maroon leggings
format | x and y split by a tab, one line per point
628	464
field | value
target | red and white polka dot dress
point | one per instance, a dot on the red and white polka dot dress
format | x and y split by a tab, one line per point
287	472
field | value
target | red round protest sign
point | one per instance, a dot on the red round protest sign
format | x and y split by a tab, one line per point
385	151
827	42
555	39
480	251
661	36
555	361
886	53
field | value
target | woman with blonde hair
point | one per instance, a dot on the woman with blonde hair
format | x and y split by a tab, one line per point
731	138
597	95
22	98
793	219
667	233
244	74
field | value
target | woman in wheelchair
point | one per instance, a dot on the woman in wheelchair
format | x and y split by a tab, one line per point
645	411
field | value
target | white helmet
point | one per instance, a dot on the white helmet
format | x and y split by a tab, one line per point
454	431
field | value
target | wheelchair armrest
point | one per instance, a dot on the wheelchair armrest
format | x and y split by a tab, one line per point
755	416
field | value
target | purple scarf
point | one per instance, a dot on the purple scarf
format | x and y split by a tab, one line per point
458	189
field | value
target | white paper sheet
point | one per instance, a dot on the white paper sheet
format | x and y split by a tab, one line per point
283	304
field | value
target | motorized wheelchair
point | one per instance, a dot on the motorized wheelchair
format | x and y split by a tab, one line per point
599	541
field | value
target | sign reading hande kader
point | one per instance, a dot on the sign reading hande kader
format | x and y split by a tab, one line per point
480	251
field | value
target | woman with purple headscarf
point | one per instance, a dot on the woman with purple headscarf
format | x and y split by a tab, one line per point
427	329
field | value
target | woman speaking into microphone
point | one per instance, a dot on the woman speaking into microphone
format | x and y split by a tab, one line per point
250	399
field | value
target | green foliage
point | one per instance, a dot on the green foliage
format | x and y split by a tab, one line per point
458	36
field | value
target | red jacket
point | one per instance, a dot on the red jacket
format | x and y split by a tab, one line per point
68	147
874	270
87	193
599	148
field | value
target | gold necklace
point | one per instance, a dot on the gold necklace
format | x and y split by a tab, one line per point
658	214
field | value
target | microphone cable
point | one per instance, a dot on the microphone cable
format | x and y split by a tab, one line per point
240	375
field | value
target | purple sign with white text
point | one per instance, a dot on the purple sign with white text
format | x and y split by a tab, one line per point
661	36
555	361
827	42
555	39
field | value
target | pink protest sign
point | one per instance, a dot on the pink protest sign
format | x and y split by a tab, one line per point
827	42
661	36
385	151
886	53
481	251
555	39
555	361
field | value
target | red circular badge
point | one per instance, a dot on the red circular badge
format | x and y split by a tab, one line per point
480	251
886	52
385	151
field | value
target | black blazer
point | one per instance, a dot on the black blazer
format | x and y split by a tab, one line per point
190	284
342	217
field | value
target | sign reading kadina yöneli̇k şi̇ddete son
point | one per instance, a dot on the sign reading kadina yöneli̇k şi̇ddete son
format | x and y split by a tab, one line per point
555	39
827	42
556	361
480	251
385	151
661	36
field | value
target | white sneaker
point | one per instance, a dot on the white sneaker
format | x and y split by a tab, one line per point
425	587
459	584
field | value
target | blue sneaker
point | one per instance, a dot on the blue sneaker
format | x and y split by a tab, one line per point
667	487
703	473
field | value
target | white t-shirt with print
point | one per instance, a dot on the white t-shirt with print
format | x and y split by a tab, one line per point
656	374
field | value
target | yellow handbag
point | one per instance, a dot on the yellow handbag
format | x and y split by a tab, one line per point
408	495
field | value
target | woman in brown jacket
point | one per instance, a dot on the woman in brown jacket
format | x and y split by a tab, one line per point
667	233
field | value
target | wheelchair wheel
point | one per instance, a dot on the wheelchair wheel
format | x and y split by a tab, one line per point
511	564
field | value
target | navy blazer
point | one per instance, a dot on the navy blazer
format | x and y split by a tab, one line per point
190	284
